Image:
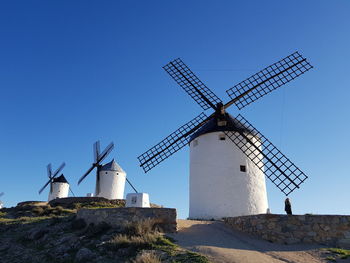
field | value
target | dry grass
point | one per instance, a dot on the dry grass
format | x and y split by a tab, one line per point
141	227
137	242
147	257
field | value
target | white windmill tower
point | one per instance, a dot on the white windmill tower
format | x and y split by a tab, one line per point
59	186
1	203
110	177
228	156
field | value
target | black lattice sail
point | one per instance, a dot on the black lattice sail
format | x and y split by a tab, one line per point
268	79
171	144
276	166
191	84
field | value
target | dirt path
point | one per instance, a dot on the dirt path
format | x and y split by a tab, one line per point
221	244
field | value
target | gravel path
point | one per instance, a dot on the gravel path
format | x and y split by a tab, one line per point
221	244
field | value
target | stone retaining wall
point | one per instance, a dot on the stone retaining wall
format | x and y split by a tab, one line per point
165	218
331	230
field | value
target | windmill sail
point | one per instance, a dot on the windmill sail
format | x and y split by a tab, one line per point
276	166
267	80
171	144
191	84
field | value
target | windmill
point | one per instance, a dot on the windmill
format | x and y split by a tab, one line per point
1	203
59	186
110	177
229	158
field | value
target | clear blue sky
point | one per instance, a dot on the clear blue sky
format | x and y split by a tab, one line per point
72	72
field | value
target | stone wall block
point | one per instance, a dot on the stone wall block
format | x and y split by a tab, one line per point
119	217
322	229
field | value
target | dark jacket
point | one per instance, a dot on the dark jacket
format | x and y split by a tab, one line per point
288	207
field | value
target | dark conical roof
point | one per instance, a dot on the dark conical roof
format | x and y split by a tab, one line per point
212	126
60	179
112	166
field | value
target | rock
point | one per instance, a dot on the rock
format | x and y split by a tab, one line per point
311	234
78	224
344	243
84	255
37	234
292	240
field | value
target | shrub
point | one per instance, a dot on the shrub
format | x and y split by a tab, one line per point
136	242
147	257
141	227
38	210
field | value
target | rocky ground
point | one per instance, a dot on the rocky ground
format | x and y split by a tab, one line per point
41	233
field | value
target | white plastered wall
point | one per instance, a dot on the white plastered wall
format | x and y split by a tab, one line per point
217	186
59	190
112	184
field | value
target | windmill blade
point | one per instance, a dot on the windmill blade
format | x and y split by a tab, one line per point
106	151
267	80
86	174
192	84
96	151
276	166
42	188
171	144
49	170
59	169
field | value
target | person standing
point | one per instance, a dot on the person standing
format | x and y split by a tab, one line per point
288	207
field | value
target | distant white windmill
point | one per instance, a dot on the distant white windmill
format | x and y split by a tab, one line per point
59	186
110	177
1	203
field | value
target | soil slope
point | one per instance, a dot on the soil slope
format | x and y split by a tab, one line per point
221	244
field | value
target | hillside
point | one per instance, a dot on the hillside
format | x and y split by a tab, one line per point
38	232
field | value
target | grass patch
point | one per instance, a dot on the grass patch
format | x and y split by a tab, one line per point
23	220
94	205
147	257
343	253
190	257
330	258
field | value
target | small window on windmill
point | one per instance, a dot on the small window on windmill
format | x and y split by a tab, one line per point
195	143
133	199
106	172
242	168
222	137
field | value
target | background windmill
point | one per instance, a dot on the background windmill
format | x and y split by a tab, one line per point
59	186
1	203
110	178
216	187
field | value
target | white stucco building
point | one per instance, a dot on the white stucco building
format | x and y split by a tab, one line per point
223	181
59	188
111	181
137	200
